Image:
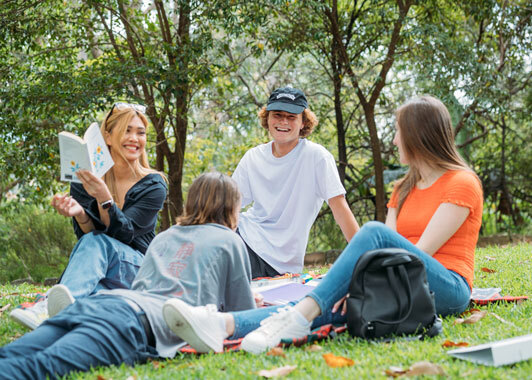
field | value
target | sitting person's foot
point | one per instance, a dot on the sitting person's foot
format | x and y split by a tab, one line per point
31	316
286	323
202	327
59	297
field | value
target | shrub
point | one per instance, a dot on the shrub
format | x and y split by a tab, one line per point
34	242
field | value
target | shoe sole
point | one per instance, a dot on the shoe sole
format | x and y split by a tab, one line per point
19	316
181	322
59	297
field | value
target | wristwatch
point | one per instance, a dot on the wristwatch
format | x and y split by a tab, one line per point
107	204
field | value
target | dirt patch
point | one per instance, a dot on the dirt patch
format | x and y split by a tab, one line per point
502	239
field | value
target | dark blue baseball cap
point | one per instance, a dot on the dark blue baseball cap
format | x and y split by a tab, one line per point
287	99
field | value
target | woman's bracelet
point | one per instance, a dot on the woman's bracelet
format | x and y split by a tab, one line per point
85	222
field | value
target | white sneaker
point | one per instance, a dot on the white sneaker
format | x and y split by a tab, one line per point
32	316
286	323
198	326
59	297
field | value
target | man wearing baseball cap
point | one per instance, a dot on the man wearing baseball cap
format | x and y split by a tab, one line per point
286	181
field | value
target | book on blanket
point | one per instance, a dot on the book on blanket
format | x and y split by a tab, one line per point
286	293
483	296
90	153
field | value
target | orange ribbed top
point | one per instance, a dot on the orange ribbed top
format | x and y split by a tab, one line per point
459	187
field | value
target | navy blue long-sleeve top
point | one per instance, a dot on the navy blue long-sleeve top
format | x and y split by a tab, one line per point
134	224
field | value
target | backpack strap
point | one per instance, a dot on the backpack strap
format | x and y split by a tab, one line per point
369	327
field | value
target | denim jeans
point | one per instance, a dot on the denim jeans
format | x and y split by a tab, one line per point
451	290
99	261
100	330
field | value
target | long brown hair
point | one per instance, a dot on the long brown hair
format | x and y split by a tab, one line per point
427	135
309	121
117	121
212	198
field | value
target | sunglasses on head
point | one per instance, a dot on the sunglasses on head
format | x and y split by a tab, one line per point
120	106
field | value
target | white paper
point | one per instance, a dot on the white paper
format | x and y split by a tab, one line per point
498	353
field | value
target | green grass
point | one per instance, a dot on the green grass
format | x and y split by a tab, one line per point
513	266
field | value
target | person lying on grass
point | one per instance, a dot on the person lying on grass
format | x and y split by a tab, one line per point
201	260
114	217
435	212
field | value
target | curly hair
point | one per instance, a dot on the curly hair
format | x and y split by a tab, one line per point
309	121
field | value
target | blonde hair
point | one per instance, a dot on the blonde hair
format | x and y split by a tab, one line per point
212	198
427	135
309	121
117	121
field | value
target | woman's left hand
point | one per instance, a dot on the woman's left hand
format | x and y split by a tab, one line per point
259	299
341	304
94	186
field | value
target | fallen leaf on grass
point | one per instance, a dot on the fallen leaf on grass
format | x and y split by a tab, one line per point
100	377
276	372
337	361
416	369
488	270
395	371
501	319
4	308
314	348
276	351
449	343
473	318
425	368
15	337
157	364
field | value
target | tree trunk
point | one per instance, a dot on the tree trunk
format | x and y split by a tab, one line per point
380	199
340	128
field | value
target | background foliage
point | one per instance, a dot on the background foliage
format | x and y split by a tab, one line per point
204	69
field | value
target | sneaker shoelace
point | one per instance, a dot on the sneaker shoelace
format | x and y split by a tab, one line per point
211	308
276	322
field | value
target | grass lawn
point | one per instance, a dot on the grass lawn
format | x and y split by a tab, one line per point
513	273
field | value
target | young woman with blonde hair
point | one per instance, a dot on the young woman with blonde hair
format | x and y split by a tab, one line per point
114	217
435	212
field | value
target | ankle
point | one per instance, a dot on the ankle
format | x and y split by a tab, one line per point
308	308
229	323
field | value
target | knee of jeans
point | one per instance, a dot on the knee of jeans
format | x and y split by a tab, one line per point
446	310
95	238
370	229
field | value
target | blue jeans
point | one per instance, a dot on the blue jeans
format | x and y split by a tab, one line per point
451	290
100	330
100	262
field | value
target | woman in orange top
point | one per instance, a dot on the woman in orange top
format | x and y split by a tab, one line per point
435	212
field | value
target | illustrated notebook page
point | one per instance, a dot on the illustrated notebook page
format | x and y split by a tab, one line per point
100	156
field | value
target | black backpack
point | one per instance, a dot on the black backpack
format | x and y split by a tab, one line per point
389	294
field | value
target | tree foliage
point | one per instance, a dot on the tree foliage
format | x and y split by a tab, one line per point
204	68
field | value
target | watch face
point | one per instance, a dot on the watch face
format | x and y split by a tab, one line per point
107	204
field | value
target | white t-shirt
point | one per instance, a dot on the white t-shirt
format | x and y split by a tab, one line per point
287	194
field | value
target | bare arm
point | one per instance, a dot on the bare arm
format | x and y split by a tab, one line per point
69	207
391	218
343	216
444	223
